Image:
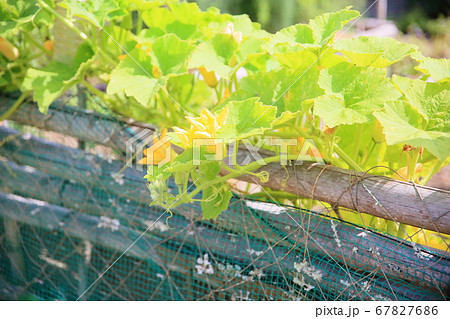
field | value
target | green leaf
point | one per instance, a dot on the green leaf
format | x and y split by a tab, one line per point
244	24
334	111
157	17
438	69
97	12
374	51
22	15
402	83
432	100
134	77
215	55
286	89
285	117
157	173
249	46
297	59
269	86
260	62
150	35
403	124
215	200
250	116
171	54
50	82
182	163
299	33
352	93
319	32
324	27
182	30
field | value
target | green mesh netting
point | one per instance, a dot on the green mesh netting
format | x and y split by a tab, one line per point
71	229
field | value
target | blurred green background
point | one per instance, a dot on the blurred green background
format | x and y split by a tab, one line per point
425	23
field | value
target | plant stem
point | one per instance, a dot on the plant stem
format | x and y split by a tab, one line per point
139	23
15	106
357	142
37	44
433	171
347	158
368	154
247	169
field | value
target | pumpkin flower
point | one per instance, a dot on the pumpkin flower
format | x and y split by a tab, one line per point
203	128
328	130
160	152
209	77
49	45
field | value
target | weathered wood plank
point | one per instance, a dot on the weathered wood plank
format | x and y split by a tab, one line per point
82	124
403	202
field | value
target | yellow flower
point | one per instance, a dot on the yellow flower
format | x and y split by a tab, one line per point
209	77
160	152
203	129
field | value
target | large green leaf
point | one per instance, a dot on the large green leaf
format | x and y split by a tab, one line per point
299	33
297	59
432	100
324	27
438	69
352	93
319	32
50	82
249	46
215	55
158	17
285	88
250	116
302	81
269	86
22	14
403	124
182	30
134	76
96	11
374	51
171	54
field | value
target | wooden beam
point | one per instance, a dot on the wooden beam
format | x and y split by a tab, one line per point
84	125
403	202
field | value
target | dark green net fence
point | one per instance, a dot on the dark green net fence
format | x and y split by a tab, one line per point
73	225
